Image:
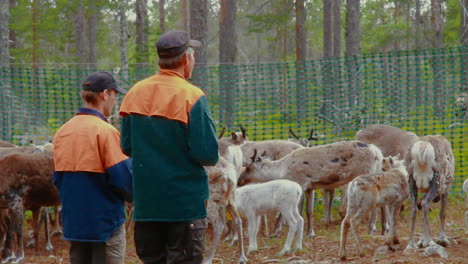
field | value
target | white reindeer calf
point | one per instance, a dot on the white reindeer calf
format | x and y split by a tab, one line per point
254	200
387	189
465	189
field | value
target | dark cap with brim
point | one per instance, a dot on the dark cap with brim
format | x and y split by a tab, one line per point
173	43
100	81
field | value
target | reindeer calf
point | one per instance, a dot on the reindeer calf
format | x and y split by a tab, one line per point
254	200
387	189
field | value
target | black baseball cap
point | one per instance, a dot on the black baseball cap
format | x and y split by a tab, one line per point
174	43
99	81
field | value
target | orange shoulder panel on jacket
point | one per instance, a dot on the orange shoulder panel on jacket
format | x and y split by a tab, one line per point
165	94
87	143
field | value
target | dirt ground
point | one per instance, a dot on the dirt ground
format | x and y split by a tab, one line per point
322	249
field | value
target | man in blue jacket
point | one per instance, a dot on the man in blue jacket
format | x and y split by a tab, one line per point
93	177
169	132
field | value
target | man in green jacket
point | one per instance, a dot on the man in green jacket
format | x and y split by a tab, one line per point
169	132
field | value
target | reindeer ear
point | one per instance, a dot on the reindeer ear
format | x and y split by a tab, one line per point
233	135
397	157
263	154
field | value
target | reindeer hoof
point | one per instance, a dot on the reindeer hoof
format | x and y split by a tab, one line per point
443	242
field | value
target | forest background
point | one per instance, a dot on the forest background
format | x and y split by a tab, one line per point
100	33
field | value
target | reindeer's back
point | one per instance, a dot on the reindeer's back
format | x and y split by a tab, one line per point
389	139
332	165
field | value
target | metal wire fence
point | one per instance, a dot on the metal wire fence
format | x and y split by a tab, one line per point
424	91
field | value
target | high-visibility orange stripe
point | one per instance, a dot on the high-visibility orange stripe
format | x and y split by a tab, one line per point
87	143
165	94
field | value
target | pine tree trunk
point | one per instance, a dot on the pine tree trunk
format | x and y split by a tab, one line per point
4	34
301	57
80	36
92	23
199	27
123	38
162	16
436	22
5	120
186	15
199	31
228	70
336	28
141	24
352	43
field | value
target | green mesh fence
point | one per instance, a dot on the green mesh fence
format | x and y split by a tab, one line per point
423	91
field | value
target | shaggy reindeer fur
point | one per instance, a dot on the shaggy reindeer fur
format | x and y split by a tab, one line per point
387	189
326	166
222	179
431	167
465	189
254	200
19	174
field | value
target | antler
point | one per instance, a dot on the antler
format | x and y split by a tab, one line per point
254	155
243	131
311	137
292	133
222	133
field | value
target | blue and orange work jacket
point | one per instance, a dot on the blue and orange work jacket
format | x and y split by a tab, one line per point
93	177
168	131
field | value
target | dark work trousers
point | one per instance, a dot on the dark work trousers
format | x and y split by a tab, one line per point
170	242
87	252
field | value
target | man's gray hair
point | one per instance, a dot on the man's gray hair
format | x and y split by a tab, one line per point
174	62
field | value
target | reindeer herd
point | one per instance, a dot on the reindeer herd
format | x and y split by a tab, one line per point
378	170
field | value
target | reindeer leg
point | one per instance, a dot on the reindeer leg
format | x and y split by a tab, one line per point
265	226
352	222
310	217
45	221
343	236
344	201
426	239
18	212
33	242
8	253
292	224
238	228
328	202
56	223
372	219
252	225
391	211
218	227
414	208
442	239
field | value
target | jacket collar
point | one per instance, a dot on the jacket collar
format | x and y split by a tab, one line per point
89	111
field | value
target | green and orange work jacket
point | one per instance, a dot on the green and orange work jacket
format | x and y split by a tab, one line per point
168	130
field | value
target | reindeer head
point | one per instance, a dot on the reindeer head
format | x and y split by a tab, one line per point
392	162
238	138
250	172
